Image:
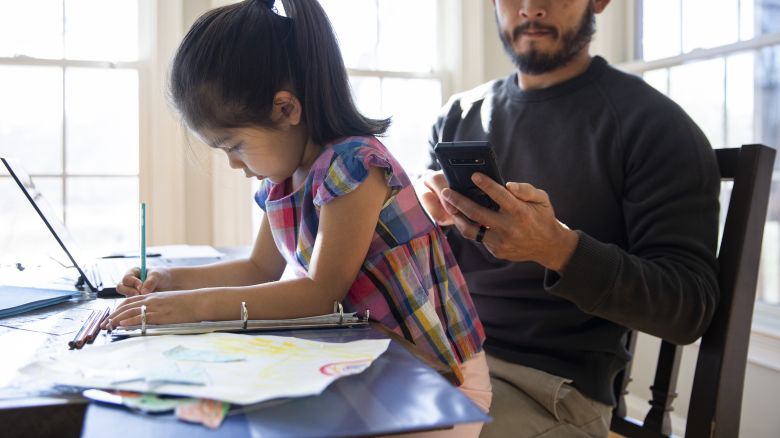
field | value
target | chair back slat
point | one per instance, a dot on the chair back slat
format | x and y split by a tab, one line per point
716	396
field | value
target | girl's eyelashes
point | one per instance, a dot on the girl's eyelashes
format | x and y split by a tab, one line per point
235	147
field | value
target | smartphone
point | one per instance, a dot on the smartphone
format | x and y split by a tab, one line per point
460	159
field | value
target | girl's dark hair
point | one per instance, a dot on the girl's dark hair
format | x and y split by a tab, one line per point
235	58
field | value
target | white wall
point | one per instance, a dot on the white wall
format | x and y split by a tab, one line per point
193	196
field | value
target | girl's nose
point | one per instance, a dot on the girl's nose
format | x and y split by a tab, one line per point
234	162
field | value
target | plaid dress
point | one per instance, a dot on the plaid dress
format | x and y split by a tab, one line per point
409	280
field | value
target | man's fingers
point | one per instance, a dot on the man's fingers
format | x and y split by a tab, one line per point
494	190
528	193
435	208
435	182
469	208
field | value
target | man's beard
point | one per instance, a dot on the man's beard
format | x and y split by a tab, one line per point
535	62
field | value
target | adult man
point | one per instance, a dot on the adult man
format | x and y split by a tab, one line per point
634	181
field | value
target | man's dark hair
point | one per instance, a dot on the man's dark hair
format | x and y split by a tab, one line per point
234	59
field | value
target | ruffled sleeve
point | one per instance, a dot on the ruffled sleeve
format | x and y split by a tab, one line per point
349	167
262	193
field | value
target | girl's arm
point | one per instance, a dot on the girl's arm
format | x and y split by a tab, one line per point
263	265
346	228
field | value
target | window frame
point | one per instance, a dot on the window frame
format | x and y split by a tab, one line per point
64	64
765	332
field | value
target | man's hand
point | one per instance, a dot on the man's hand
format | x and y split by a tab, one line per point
524	229
429	193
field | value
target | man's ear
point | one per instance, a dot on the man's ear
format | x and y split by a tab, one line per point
600	5
287	108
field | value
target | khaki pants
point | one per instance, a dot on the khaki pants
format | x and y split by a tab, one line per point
531	403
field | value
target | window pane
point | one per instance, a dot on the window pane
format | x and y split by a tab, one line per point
768	88
401	49
769	274
23	236
698	88
101	115
747	19
767	82
658	79
367	92
767	13
31	117
407	138
101	30
31	28
660	28
740	99
719	28
103	213
356	28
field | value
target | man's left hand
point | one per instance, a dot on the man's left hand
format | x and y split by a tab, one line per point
523	229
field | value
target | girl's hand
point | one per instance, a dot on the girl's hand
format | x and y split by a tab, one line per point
161	308
158	279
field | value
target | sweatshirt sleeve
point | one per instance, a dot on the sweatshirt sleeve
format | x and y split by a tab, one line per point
665	282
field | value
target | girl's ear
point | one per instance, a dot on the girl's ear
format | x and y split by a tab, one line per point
287	109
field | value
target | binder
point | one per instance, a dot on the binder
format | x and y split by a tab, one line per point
331	320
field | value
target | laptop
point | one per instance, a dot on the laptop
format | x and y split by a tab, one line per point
101	275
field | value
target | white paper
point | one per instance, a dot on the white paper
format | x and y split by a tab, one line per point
271	366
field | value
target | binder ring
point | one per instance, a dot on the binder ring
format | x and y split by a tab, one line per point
244	314
143	319
338	308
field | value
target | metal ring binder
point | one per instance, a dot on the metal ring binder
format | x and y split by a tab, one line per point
338	308
143	319
244	314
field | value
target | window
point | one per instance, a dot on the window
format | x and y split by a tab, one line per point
388	79
720	60
69	113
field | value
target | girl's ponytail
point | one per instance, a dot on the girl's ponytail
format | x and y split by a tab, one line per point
322	81
234	59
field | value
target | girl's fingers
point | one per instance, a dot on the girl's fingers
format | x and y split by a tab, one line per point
125	290
150	284
131	316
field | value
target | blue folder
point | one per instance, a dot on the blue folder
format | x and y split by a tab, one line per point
396	394
15	300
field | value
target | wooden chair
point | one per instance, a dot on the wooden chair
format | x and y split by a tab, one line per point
716	396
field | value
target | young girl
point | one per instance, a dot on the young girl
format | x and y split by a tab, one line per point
272	93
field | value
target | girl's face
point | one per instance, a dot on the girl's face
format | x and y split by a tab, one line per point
276	153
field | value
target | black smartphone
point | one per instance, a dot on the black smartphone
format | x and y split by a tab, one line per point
460	159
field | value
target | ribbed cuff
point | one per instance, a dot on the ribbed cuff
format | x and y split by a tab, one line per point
589	276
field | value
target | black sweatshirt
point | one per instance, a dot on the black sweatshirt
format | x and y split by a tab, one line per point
627	169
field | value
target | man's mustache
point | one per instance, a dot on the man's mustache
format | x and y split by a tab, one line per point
533	26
